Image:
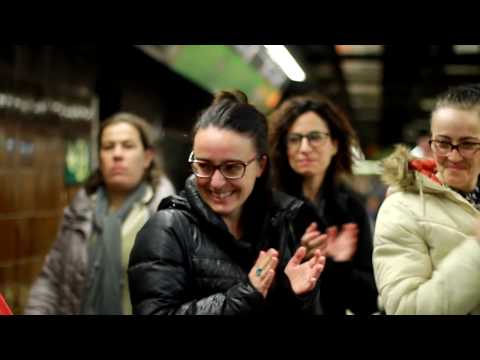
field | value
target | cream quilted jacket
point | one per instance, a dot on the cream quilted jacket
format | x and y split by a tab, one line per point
425	259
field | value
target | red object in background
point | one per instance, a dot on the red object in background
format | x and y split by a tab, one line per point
4	309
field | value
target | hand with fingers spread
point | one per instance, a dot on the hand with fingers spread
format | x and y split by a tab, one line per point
304	276
313	239
342	246
262	274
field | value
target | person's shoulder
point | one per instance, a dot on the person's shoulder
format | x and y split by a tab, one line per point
174	210
175	202
163	229
163	190
394	193
166	224
345	188
347	194
290	208
400	202
81	203
81	198
283	201
165	186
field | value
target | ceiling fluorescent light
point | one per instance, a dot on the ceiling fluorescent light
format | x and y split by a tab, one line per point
286	61
466	49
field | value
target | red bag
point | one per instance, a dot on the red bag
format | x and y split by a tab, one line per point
4	309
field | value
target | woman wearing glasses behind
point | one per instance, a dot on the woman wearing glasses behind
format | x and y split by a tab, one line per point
226	244
311	145
426	258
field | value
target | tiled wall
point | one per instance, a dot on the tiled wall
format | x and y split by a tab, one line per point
37	114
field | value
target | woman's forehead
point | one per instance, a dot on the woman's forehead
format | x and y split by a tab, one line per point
215	141
455	123
120	132
309	121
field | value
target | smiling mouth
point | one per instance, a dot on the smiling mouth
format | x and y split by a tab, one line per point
456	168
221	196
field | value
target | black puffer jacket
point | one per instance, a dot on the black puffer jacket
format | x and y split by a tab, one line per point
185	261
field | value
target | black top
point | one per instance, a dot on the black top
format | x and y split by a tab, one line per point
347	285
185	261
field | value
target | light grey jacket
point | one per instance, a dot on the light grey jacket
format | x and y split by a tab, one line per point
60	287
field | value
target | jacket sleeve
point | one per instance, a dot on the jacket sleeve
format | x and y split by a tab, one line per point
354	280
47	295
44	293
160	274
282	297
281	293
350	284
405	277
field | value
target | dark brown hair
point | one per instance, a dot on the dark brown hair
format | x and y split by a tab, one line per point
463	97
230	110
282	119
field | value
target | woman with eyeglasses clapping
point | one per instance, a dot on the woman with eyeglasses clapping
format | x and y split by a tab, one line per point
311	148
227	244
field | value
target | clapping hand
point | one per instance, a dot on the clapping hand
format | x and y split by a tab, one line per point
262	274
304	276
313	239
342	246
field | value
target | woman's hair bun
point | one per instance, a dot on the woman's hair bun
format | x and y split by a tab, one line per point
233	95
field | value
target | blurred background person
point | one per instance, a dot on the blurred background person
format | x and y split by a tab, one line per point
227	244
85	271
426	258
311	144
423	149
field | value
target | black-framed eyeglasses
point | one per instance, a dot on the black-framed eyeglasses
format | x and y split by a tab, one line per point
314	138
232	169
467	149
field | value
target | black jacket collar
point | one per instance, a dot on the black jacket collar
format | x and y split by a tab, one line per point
283	207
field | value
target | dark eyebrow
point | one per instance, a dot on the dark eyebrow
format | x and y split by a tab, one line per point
223	162
309	132
469	139
462	139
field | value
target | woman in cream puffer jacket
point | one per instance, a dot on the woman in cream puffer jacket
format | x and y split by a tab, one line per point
426	260
426	256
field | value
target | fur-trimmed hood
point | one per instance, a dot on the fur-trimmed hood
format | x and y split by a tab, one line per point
404	172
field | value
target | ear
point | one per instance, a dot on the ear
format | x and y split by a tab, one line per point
148	158
262	164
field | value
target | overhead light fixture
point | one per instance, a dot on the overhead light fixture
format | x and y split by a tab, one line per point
361	50
466	49
286	61
462	70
